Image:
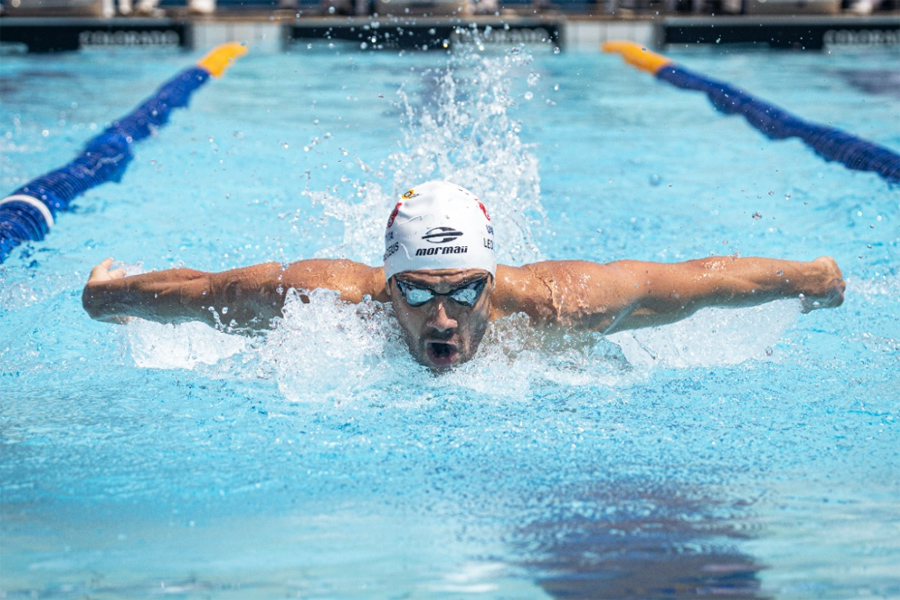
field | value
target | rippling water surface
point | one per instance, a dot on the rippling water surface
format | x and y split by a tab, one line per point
747	453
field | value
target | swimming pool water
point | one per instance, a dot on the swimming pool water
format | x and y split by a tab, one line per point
750	453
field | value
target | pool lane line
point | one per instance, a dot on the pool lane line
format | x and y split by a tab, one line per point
828	142
29	212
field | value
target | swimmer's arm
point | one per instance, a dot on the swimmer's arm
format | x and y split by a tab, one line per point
632	294
253	295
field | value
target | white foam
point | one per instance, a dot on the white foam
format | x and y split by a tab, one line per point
185	346
885	285
713	336
331	351
326	351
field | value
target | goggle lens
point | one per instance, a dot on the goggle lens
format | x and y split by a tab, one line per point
466	295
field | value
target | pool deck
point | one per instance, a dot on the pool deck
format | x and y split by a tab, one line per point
278	30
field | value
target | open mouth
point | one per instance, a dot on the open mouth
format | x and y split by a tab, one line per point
441	354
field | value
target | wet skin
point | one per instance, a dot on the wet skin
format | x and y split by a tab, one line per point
442	333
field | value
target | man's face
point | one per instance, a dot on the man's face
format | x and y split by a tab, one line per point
442	332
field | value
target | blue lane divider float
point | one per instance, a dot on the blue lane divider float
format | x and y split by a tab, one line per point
829	143
29	212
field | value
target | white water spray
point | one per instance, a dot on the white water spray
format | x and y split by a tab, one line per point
463	133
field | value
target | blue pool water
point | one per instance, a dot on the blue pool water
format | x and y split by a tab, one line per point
748	453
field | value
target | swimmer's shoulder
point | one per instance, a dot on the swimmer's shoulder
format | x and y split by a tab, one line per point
551	292
522	290
354	280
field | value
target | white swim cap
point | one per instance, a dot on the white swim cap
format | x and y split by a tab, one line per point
438	225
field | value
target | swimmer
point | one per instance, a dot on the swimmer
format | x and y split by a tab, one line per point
441	277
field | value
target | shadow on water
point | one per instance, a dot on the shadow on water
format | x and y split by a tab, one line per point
874	82
634	541
28	80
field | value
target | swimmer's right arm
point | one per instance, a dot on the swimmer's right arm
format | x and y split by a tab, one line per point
252	295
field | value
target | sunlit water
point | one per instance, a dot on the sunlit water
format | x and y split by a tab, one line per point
748	453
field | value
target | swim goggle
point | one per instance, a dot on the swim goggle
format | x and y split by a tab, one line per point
467	294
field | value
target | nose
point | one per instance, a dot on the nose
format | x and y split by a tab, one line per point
439	321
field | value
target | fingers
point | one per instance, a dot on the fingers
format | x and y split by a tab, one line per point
807	305
837	295
101	268
102	273
115	319
836	284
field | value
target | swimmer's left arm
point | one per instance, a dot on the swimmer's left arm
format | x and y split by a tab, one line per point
632	294
651	294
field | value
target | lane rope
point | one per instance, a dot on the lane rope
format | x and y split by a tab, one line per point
29	212
828	142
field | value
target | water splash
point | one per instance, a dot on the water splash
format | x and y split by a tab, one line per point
461	131
468	136
187	346
713	336
328	351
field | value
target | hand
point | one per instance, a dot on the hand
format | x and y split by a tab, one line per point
102	273
829	291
